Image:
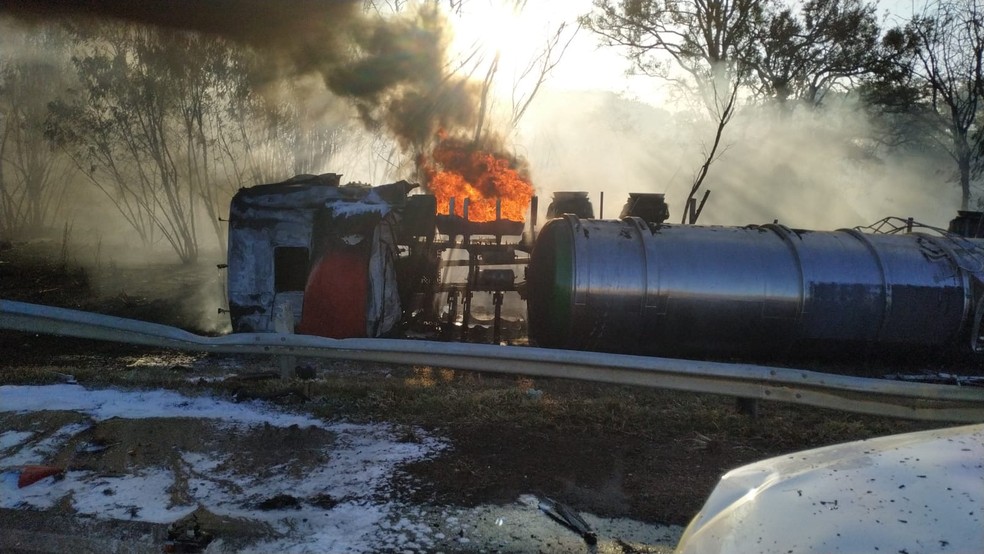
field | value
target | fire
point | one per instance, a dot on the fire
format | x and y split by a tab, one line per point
455	169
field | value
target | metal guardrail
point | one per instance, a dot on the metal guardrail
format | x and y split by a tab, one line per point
839	392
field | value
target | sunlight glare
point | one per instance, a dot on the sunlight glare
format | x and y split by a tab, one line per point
489	27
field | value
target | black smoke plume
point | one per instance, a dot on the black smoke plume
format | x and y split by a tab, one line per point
393	69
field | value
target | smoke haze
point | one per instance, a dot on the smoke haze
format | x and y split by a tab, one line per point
812	170
393	69
806	170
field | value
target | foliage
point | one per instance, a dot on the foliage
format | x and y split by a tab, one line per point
711	41
924	78
169	124
828	44
124	129
33	176
778	51
933	85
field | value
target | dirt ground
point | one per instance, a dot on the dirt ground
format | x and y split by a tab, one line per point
649	455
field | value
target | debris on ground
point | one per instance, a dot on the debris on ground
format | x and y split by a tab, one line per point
187	536
31	474
280	502
566	516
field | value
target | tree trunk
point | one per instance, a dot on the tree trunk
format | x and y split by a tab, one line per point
964	154
964	164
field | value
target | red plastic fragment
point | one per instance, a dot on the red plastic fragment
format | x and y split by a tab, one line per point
32	474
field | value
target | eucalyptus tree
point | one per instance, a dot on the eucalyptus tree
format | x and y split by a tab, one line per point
932	87
713	43
169	124
34	177
808	51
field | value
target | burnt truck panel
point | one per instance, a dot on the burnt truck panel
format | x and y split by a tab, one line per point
311	244
270	230
352	289
628	286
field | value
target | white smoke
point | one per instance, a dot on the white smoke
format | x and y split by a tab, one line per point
817	169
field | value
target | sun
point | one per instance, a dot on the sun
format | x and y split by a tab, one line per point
514	33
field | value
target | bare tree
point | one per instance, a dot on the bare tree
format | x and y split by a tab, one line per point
937	78
711	41
482	64
170	124
201	116
34	177
251	145
536	72
725	103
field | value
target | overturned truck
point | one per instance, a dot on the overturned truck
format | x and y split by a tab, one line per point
314	257
322	258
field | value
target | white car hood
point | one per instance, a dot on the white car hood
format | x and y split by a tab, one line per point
911	493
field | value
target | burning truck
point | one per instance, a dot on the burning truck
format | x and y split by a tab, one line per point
356	261
316	257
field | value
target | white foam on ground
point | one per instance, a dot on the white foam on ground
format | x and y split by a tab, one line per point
360	464
107	403
10	439
37	452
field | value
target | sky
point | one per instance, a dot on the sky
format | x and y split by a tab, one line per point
805	172
587	64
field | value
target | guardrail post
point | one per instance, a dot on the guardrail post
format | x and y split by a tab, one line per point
283	322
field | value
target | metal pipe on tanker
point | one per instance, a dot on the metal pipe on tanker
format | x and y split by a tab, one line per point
626	286
534	206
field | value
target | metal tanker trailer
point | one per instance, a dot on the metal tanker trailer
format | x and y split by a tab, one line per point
632	286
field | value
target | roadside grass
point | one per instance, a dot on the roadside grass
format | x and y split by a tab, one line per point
439	398
614	451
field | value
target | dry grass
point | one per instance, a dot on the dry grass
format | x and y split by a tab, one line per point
443	398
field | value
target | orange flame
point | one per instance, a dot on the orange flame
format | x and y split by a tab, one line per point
457	170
